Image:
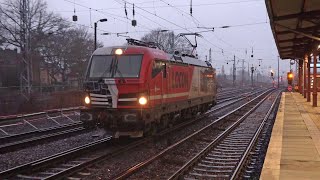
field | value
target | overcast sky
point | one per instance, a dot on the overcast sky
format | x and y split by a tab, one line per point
152	14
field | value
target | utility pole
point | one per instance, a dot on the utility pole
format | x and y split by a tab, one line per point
248	71
279	73
234	70
95	31
210	60
95	35
252	70
242	72
26	70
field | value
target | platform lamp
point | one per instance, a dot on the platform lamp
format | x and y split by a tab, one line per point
95	31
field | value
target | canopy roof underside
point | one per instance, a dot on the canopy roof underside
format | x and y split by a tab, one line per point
295	25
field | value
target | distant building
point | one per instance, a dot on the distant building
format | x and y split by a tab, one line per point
11	66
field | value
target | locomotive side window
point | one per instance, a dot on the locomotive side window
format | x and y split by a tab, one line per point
157	68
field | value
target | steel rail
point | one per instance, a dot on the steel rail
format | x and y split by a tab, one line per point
17	137
222	95
18	116
199	155
139	166
70	170
209	112
50	160
38	137
254	140
78	167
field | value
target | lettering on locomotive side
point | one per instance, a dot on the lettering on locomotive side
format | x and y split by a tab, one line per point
179	79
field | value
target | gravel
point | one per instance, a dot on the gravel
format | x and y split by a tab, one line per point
19	157
180	155
126	160
38	121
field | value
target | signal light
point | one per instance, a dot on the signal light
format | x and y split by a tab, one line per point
290	78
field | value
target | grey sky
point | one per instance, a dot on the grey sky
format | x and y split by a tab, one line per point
210	13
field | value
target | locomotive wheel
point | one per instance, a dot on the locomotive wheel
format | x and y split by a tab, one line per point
164	122
152	130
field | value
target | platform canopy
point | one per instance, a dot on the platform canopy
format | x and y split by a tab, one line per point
295	25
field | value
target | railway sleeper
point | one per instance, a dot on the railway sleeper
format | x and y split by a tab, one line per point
236	142
221	159
206	175
212	170
214	166
218	163
224	156
231	145
227	148
28	177
223	152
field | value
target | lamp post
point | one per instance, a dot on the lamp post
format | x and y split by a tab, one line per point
95	31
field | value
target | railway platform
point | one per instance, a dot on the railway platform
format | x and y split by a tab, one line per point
294	147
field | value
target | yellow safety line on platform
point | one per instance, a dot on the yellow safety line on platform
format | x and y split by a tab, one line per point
271	166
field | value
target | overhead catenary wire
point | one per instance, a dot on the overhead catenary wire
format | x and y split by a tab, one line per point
186	5
105	13
198	22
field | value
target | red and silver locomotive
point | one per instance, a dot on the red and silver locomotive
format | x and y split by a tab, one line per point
132	90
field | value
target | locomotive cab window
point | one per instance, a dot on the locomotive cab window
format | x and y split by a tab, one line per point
157	68
124	66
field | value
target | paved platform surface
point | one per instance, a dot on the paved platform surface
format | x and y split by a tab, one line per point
294	148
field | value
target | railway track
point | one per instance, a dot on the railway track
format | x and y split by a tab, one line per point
180	161
226	156
68	162
22	140
37	136
27	130
225	96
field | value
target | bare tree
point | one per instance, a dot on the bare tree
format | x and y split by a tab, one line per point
41	23
167	41
68	52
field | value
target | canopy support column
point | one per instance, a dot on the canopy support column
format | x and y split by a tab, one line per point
315	57
300	76
305	61
309	81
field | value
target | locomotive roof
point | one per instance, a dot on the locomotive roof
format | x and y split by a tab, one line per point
170	57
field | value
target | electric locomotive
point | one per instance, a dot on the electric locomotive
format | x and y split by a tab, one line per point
137	89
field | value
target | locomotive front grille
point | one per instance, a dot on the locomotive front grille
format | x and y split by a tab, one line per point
101	98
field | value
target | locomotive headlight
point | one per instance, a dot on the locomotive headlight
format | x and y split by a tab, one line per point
118	52
143	100
87	100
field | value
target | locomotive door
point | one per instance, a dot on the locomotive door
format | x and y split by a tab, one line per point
158	82
164	83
